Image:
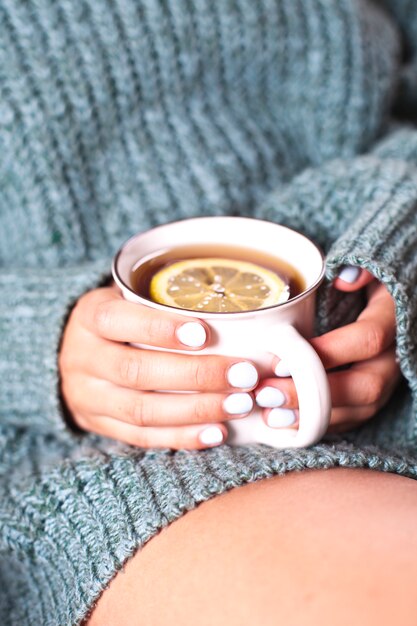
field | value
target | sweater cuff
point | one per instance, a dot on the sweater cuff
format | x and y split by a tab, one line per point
383	239
34	307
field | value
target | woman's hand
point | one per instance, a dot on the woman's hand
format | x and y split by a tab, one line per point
111	388
367	345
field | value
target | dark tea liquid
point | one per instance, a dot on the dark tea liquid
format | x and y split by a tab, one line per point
144	270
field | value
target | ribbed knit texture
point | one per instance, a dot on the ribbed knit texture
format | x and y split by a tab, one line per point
122	114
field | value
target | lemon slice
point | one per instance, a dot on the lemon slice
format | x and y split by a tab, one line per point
217	285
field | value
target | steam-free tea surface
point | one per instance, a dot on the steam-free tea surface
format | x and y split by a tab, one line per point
214	278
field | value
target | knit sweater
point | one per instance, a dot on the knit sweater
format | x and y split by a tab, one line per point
119	115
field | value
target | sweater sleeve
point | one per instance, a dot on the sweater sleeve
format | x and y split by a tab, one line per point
363	212
34	306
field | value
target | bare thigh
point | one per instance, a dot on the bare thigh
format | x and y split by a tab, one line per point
318	547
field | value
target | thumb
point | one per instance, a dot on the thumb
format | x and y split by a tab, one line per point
352	278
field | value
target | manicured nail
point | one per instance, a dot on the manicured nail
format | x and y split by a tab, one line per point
238	403
349	274
211	435
243	375
279	418
270	397
192	334
282	370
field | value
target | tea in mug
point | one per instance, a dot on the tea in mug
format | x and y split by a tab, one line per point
216	278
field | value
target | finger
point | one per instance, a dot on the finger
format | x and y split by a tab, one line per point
352	278
150	370
348	417
181	437
97	397
106	314
281	418
372	333
342	418
364	383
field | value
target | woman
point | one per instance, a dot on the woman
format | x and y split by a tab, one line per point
120	115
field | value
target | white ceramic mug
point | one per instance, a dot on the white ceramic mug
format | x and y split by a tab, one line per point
280	330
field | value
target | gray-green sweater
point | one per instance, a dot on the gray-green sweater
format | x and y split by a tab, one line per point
116	115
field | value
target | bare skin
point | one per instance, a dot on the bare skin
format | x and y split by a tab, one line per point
111	388
310	548
369	345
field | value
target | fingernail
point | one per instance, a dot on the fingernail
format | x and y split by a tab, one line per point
211	435
270	397
238	403
192	334
243	375
282	370
279	418
349	274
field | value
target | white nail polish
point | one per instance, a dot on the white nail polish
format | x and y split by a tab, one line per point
211	435
238	403
270	397
243	375
282	370
279	418
192	334
349	274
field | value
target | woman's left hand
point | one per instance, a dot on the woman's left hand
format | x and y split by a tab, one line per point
367	345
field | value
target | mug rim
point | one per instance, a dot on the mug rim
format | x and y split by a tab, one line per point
213	314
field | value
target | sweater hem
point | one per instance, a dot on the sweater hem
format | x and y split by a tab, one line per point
79	526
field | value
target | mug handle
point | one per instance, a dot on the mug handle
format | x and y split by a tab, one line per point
311	383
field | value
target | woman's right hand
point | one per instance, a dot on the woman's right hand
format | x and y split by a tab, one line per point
111	388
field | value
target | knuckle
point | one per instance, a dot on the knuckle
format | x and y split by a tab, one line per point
199	373
210	373
374	340
130	371
103	318
204	410
374	387
137	413
140	413
155	328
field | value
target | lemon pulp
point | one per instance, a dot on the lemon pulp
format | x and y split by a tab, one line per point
217	285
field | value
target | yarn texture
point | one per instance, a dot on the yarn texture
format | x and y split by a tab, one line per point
119	115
